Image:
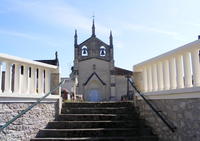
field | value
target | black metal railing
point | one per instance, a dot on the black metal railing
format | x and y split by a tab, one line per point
157	112
30	107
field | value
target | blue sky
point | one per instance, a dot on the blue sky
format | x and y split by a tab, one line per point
142	29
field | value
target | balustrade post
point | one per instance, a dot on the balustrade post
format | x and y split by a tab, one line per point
149	74
196	67
47	80
172	71
187	70
154	77
41	81
33	81
26	83
17	87
179	72
160	76
0	77
8	78
145	79
166	75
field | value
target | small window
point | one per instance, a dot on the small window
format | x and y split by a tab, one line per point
84	51
102	51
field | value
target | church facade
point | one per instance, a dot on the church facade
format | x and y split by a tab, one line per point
94	73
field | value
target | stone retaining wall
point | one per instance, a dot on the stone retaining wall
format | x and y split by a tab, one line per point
184	113
26	127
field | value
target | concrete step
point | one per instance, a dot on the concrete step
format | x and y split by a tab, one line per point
141	138
92	124
97	104
95	110
96	117
92	132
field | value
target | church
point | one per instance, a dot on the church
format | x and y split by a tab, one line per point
94	74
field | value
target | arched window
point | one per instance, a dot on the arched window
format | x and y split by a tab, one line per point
84	51
102	51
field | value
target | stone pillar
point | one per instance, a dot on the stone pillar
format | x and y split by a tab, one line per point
154	78
166	75
196	67
187	70
145	80
47	80
179	72
149	75
172	71
8	78
33	81
17	87
0	77
160	76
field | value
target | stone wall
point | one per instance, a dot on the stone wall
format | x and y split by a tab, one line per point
184	113
26	127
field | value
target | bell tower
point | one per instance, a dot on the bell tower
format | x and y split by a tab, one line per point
94	67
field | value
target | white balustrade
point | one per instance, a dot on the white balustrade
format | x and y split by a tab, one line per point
154	78
176	69
8	78
196	67
160	76
166	75
25	83
145	79
179	72
187	70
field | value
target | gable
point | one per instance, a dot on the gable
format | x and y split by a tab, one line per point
94	74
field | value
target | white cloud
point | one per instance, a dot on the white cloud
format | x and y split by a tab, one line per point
144	28
57	12
18	34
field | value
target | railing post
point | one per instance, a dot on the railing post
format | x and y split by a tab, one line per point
8	78
149	75
47	80
179	72
196	67
154	77
17	80
187	70
145	80
160	76
166	75
0	77
172	70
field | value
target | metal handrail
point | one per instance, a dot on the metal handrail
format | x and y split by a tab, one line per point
172	128
30	107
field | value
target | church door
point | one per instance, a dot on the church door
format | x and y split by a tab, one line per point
94	96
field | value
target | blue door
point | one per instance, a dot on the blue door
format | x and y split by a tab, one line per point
94	96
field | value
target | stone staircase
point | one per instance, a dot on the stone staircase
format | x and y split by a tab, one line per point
107	121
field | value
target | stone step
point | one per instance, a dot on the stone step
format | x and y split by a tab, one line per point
92	132
96	117
141	138
94	110
92	124
97	104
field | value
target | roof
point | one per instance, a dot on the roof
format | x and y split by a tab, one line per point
51	62
120	71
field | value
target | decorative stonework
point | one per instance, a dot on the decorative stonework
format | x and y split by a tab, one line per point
184	113
29	124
